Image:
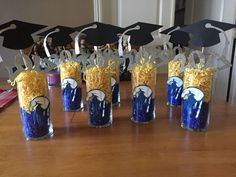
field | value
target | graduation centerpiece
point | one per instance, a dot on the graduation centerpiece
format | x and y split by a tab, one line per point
175	71
31	80
198	76
98	74
71	81
143	73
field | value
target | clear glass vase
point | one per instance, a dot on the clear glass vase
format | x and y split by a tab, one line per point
196	98
99	97
34	104
71	85
115	84
143	93
174	83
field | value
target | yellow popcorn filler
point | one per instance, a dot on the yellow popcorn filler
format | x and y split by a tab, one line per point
198	75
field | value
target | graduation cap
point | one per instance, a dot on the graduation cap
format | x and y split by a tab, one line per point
17	34
102	34
60	35
143	35
204	35
176	36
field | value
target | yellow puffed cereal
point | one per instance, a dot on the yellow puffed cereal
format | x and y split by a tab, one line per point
71	69
201	78
99	78
31	84
174	68
144	74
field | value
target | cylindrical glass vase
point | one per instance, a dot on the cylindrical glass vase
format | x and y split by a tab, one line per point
174	83
115	84
143	93
99	97
54	78
196	98
71	85
34	104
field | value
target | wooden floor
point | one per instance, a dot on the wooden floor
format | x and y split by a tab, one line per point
160	148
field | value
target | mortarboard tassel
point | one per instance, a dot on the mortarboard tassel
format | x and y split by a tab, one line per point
120	47
45	42
12	26
77	48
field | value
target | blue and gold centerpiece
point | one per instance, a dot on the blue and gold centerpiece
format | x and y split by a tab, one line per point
175	81
33	94
71	85
198	76
196	98
99	96
34	103
143	78
31	79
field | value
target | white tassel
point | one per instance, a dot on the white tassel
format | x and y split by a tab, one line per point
77	48
120	47
45	42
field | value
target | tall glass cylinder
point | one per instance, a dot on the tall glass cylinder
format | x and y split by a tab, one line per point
196	98
174	83
34	104
71	84
99	96
143	92
115	83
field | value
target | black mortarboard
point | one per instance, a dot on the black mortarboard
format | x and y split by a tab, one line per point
177	36
103	34
203	36
143	35
61	37
19	37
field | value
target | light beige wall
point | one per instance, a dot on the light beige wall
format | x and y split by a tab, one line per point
49	12
109	11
